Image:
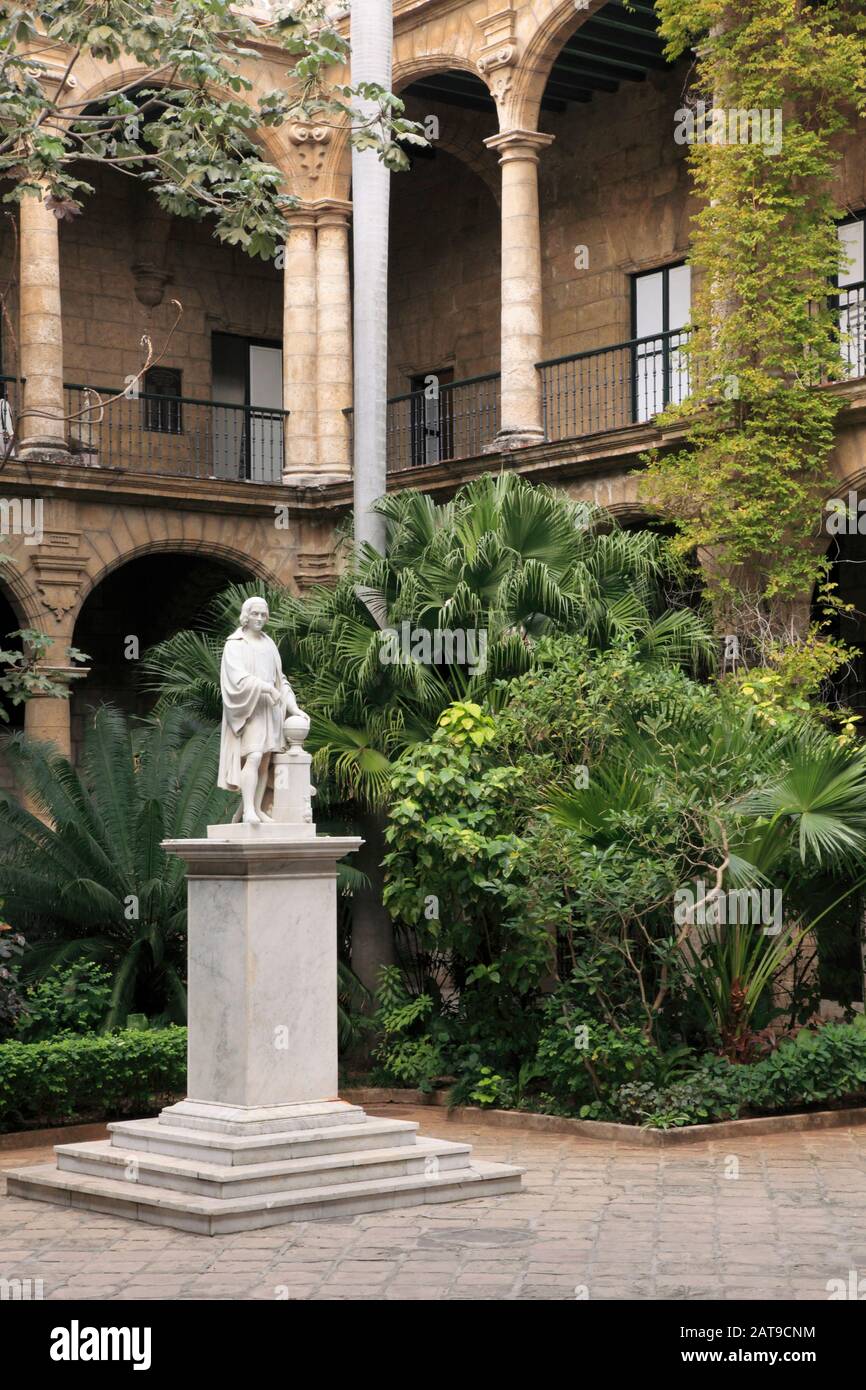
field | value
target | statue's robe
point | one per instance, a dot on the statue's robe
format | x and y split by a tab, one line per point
251	723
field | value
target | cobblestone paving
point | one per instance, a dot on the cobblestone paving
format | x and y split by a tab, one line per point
596	1220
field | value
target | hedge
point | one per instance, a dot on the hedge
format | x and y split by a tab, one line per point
89	1078
822	1066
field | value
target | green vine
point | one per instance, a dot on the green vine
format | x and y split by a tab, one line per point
747	483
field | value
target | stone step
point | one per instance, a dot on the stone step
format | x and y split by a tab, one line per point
150	1136
100	1159
209	1216
240	1120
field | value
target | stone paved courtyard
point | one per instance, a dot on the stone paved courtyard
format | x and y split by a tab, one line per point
596	1219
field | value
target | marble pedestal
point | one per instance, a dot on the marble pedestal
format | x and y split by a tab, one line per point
262	1137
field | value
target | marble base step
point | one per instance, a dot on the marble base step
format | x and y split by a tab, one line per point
103	1160
241	1120
152	1136
213	1168
161	1206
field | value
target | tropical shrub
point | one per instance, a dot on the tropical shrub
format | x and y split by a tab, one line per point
818	1066
552	832
581	1060
11	1002
68	999
75	1078
454	869
684	786
409	1053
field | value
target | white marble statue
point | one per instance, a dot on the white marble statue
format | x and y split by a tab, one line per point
257	699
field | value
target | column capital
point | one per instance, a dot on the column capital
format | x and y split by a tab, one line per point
332	212
60	675
519	144
302	215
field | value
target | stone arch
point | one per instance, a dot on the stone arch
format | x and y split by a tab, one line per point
276	151
542	30
428	64
633	513
179	545
21	597
459	137
849	468
337	167
139	600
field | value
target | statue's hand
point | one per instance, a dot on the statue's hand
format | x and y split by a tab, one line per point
271	693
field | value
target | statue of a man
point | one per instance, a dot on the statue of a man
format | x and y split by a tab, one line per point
256	700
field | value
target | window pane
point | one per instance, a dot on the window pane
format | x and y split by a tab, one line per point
648	304
851	243
680	295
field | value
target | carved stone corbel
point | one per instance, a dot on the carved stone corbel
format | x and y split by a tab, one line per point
59	568
499	53
312	141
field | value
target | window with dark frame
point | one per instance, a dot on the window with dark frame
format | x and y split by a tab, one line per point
163	412
851	292
661	307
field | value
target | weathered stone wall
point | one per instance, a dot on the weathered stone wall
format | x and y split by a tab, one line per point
443	284
220	288
615	182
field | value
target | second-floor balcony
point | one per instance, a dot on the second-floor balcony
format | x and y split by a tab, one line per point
175	435
584	393
599	391
159	435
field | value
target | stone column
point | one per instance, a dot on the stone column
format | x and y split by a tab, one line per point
300	345
520	420
334	320
49	717
42	429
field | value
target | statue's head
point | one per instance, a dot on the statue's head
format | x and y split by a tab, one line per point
254	614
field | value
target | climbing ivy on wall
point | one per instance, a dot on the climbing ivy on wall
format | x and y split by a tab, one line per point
750	476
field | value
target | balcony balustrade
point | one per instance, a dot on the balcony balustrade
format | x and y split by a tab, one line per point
585	393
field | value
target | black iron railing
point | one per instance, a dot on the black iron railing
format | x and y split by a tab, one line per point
175	435
608	388
851	301
454	421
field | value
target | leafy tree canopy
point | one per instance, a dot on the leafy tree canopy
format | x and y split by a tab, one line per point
189	130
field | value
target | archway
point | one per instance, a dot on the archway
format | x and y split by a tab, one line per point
443	290
136	605
10	621
847	556
124	263
614	194
577	51
841	940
